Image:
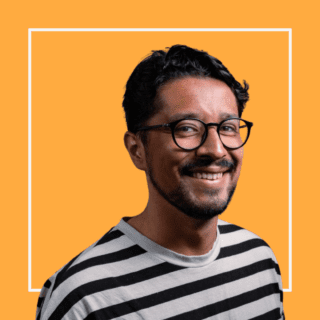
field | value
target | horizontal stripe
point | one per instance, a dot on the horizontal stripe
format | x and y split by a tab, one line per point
180	291
114	245
47	284
62	272
109	236
40	302
110	283
271	315
254	308
120	255
118	278
101	272
232	238
228	228
198	300
229	304
154	285
241	247
42	298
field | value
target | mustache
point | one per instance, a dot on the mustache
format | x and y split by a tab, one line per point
205	162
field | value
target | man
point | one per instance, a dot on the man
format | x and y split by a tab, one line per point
176	260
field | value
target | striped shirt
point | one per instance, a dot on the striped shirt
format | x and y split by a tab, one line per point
126	276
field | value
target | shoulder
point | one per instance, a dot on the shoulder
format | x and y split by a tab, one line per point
233	232
68	286
237	240
250	257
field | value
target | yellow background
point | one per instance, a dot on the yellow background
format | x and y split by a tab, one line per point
83	180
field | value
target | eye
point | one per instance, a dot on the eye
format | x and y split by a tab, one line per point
228	128
186	129
189	128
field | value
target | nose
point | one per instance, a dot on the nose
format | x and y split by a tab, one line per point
212	146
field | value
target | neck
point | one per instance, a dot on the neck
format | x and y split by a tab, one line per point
174	230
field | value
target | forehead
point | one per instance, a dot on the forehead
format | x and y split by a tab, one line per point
205	98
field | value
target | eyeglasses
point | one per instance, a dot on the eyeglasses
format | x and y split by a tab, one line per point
190	134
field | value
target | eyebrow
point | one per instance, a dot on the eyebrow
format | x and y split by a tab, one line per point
223	116
226	115
179	116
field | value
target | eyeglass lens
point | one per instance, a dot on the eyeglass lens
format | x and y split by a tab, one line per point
189	133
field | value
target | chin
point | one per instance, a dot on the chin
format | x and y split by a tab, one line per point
197	209
204	212
215	200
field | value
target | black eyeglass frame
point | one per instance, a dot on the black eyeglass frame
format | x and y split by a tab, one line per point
173	124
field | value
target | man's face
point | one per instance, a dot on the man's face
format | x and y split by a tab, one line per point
175	173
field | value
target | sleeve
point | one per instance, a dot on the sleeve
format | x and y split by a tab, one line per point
279	280
44	298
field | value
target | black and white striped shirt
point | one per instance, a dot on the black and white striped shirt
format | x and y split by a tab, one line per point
127	276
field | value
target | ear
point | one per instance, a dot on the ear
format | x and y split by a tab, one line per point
136	150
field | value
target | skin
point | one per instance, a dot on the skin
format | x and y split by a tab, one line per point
163	161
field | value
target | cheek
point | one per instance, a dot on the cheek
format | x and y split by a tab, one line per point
164	163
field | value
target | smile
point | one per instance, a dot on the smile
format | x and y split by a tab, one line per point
207	176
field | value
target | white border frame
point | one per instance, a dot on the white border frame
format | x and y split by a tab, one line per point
30	30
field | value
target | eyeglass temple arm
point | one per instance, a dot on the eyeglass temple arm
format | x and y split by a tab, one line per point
153	127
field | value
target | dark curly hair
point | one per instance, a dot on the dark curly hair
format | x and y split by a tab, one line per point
160	67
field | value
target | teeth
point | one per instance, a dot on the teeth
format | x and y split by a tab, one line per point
208	176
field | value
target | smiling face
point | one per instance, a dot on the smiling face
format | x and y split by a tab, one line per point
200	183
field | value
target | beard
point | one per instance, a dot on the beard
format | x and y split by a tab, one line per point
180	197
